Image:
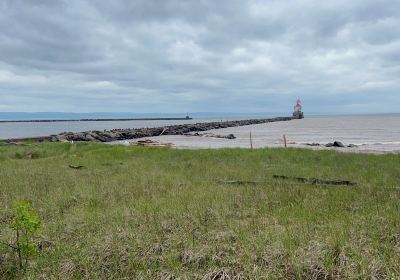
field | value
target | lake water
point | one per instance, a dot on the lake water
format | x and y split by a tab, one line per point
32	129
380	133
369	132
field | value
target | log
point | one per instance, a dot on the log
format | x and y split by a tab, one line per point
241	182
76	166
312	181
316	181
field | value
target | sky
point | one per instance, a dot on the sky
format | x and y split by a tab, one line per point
245	56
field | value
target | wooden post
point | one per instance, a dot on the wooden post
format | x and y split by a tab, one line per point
284	140
251	142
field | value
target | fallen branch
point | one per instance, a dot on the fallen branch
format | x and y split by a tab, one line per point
151	143
241	182
229	136
313	181
76	166
316	181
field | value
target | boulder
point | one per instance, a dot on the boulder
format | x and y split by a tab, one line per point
338	144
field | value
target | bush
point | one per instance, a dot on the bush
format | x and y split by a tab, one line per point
25	226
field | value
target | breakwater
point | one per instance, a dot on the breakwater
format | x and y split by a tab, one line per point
125	134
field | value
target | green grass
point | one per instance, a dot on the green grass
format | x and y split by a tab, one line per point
152	213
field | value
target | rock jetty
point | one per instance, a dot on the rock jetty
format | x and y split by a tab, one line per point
125	134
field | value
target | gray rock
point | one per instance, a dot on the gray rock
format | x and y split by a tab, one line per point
338	144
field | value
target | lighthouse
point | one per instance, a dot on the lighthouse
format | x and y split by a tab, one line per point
298	114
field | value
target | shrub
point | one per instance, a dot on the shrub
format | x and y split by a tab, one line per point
25	226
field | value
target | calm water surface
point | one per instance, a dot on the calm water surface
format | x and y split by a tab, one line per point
381	132
370	133
31	129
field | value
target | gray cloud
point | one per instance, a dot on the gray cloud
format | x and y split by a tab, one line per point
170	56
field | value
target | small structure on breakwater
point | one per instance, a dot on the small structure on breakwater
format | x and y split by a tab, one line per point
298	114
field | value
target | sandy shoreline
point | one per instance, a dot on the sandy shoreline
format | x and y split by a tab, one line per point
298	134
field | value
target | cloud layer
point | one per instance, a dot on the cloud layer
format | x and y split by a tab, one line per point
178	56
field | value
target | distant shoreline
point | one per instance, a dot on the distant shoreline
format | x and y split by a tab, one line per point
98	120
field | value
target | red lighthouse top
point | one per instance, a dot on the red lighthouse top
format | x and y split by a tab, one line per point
297	106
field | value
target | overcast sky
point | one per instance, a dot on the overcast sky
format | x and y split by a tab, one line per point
205	55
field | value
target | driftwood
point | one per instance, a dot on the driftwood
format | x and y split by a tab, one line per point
313	181
316	181
242	182
229	136
76	166
151	143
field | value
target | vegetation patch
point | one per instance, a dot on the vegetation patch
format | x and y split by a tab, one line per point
112	212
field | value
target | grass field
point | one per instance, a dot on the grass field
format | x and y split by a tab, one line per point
153	213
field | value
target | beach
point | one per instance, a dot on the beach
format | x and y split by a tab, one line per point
369	133
358	133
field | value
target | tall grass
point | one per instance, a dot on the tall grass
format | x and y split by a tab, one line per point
152	213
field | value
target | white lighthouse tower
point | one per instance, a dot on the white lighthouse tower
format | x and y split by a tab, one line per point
298	114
